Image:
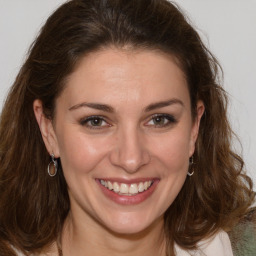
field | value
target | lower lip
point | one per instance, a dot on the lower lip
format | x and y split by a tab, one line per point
129	200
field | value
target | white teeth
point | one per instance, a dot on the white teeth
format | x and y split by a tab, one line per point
141	187
126	189
116	187
133	189
110	186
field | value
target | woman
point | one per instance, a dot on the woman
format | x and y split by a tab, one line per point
119	141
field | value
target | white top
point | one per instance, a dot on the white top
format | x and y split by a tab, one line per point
219	245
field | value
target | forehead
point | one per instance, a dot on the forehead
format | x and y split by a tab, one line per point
112	75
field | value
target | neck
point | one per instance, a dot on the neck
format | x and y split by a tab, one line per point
93	239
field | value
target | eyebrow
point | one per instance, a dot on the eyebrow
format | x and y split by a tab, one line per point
110	109
163	104
98	106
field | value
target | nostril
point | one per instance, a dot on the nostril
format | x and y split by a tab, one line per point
129	152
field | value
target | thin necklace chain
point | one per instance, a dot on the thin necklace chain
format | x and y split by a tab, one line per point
60	253
59	250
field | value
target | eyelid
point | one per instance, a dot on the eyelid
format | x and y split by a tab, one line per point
163	115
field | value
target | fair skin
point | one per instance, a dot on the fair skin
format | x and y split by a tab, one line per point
124	121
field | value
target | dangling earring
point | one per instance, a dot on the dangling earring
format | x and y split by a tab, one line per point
52	167
191	162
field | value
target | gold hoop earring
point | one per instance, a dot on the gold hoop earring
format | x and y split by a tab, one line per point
52	167
191	163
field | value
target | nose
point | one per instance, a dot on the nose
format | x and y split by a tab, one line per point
129	151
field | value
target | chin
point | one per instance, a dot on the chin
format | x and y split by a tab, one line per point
127	224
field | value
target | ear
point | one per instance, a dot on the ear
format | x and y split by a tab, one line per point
195	127
47	130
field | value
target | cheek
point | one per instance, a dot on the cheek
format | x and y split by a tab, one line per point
80	153
173	151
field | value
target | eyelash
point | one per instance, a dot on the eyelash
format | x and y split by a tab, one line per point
169	120
84	122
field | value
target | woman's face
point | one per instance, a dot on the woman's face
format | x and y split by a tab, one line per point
124	133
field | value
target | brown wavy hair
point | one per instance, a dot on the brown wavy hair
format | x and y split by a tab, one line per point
34	205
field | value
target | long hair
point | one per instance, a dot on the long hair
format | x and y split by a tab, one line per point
34	205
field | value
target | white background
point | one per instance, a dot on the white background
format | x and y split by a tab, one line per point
228	28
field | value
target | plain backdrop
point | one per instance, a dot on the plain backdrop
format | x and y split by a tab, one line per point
228	27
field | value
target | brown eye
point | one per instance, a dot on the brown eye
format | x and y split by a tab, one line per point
94	122
161	120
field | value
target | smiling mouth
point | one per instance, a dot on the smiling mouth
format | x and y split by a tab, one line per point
127	189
